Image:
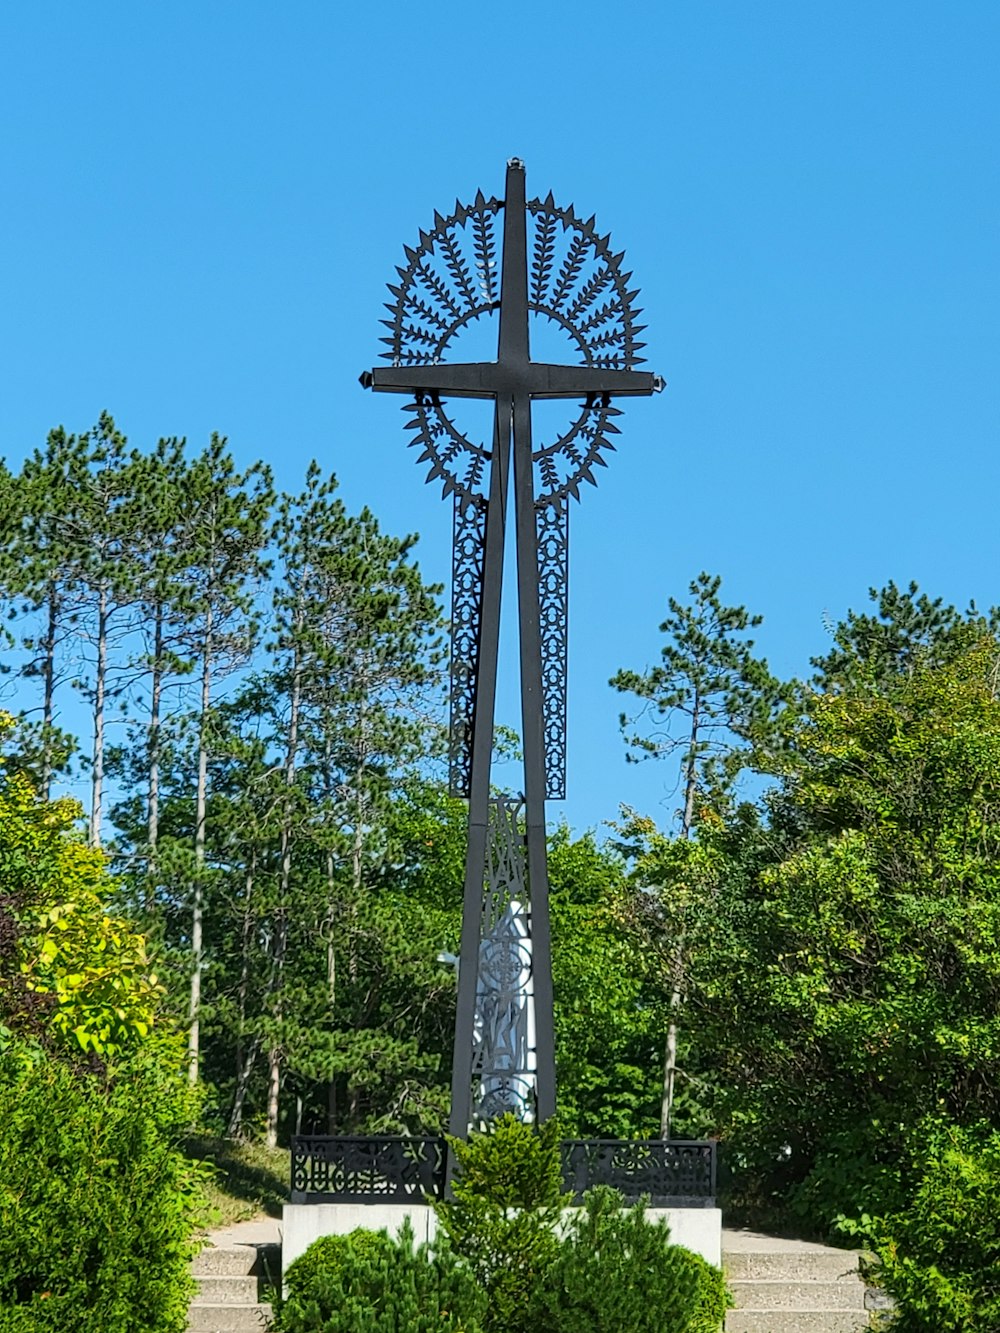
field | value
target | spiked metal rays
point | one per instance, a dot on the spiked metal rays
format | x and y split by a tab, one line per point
451	281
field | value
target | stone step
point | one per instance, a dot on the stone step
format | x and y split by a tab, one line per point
226	1290
224	1261
796	1321
803	1266
783	1295
228	1318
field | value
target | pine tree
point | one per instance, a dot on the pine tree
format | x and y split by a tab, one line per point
708	703
307	527
225	524
371	706
40	548
101	541
164	598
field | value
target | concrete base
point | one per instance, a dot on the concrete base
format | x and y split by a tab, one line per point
698	1229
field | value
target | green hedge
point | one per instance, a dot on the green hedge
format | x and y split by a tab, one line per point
615	1272
713	1298
510	1257
503	1217
367	1283
97	1205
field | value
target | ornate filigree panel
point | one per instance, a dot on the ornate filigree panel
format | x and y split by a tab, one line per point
339	1169
666	1170
503	1059
384	1168
466	619
552	525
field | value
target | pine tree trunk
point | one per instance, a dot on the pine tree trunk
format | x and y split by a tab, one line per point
198	902
331	988
357	848
243	1071
281	931
49	689
244	1059
273	1094
670	1062
100	677
153	753
677	963
153	757
331	953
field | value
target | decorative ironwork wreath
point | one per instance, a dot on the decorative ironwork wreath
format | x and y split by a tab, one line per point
451	280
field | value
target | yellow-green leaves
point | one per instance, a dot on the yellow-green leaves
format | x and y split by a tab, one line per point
86	969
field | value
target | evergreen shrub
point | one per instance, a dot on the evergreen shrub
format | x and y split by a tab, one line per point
368	1283
503	1218
713	1296
97	1204
616	1272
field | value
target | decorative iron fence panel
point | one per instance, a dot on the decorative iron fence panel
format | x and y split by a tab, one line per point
372	1169
674	1172
401	1169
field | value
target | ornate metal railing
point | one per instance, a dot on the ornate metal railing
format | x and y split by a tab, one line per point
401	1169
376	1169
673	1172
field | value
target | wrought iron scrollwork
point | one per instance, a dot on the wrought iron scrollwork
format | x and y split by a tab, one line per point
503	1056
552	522
669	1171
388	1168
450	283
383	1169
466	618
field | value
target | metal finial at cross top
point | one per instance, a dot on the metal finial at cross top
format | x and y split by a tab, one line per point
556	268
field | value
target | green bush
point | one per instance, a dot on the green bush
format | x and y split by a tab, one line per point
368	1283
97	1205
504	1215
940	1255
616	1272
713	1298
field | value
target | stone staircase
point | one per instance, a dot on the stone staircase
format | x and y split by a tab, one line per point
788	1286
229	1278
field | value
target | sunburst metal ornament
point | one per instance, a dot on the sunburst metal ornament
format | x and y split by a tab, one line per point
525	266
451	283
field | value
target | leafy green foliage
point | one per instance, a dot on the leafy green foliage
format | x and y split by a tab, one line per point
615	1270
97	1204
713	1297
908	630
851	972
502	1218
940	1252
74	976
606	1028
368	1283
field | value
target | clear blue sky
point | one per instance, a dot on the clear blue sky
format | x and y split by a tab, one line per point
202	202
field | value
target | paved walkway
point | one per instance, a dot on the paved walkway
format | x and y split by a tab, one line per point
259	1231
755	1242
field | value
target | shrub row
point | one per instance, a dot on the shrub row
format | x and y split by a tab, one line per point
508	1259
614	1271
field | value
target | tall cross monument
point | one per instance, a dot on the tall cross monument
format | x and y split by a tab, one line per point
556	275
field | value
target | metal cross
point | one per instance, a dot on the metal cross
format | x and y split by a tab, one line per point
491	932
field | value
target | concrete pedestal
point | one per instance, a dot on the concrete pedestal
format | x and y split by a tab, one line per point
698	1229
